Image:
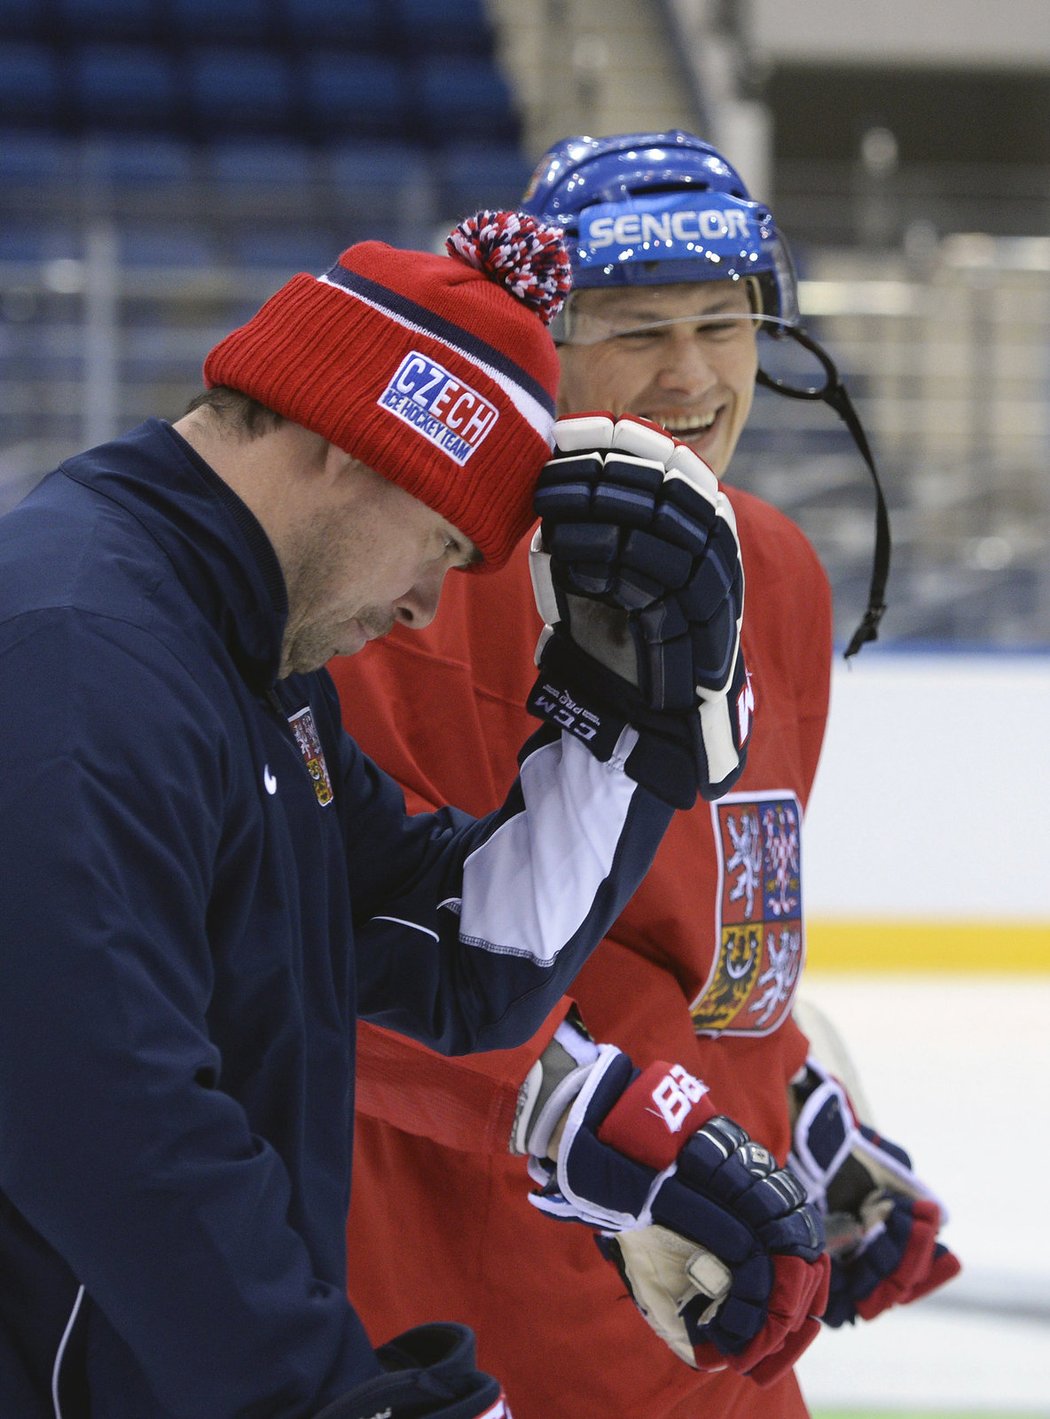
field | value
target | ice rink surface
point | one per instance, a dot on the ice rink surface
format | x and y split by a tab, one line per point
956	1069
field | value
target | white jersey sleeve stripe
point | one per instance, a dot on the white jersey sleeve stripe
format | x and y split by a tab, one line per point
559	845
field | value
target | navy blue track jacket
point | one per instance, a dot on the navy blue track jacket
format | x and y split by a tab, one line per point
202	883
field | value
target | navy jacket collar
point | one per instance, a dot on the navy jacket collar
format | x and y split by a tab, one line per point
215	543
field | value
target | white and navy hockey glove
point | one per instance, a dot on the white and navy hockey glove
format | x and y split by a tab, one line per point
637	574
717	1245
881	1220
429	1374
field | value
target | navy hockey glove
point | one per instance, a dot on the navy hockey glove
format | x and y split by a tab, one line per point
430	1374
717	1245
881	1220
637	574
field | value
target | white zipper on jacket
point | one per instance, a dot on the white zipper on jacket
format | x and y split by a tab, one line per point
55	1373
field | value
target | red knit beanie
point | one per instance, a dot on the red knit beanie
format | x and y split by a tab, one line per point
438	372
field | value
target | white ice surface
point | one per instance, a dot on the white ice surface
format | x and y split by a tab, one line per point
956	1069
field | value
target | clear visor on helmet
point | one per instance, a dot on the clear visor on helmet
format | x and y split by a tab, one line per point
576	324
682	238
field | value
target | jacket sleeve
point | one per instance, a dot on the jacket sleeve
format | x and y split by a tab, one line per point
469	931
121	1147
467	1102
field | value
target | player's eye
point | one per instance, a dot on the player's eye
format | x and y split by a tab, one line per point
455	551
639	336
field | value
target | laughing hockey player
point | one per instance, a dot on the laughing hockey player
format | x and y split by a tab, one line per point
678	276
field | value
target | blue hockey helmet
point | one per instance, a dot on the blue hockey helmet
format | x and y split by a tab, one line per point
657	208
643	209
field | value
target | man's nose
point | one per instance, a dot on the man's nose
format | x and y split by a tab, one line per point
418	607
685	365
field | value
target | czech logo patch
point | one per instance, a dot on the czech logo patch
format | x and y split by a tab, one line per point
426	396
306	736
761	944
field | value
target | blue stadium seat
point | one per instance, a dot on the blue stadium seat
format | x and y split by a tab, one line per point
134	173
239	91
30	85
242	165
34	241
471	175
22	19
167	244
245	22
458	98
367	97
380	189
286	250
441	26
35	159
350	24
124	87
105	19
138	161
253	179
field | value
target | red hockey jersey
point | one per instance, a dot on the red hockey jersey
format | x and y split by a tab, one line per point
701	968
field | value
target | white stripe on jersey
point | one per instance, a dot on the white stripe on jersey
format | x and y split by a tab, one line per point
565	840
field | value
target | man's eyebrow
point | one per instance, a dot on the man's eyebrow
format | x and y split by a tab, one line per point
652	315
617	312
729	300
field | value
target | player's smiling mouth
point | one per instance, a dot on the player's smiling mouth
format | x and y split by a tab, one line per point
685	426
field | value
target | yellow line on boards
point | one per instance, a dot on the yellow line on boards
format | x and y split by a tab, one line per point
993	946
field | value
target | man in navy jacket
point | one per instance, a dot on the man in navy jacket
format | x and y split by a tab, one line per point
203	882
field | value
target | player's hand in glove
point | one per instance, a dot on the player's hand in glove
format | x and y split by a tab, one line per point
881	1220
717	1244
429	1374
637	574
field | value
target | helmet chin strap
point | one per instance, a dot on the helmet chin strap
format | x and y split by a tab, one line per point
834	394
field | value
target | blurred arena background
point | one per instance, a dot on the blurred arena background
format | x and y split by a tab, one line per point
165	164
